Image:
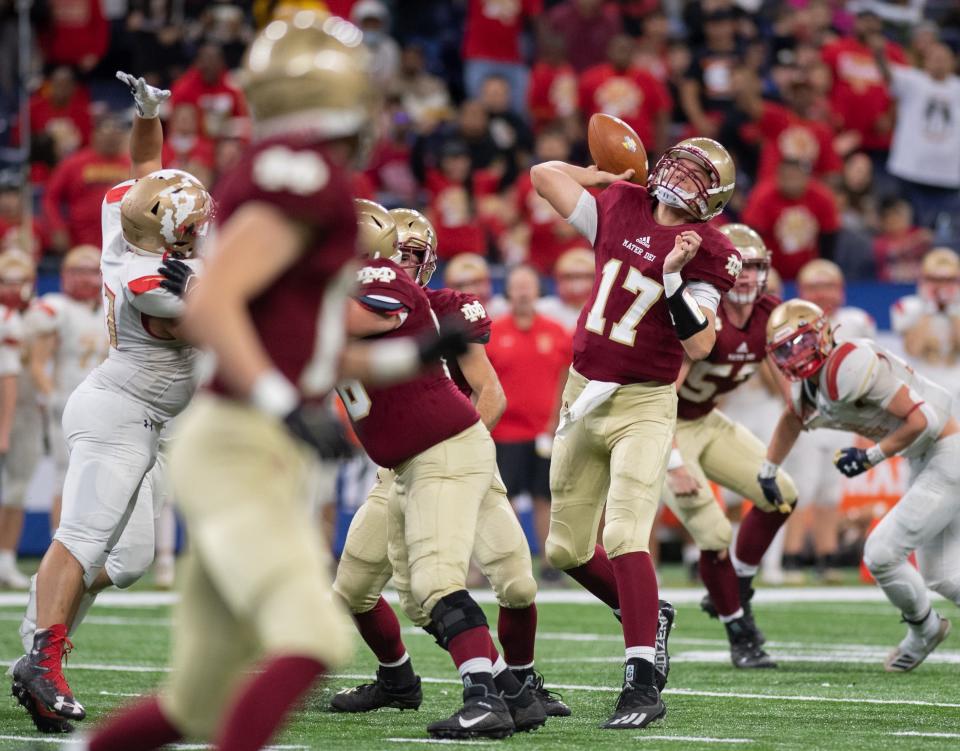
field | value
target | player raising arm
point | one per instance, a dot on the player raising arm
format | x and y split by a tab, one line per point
861	387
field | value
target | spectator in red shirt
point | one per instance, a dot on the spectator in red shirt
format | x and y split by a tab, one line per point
77	34
789	132
530	354
901	245
549	234
183	146
586	27
860	95
62	105
11	221
796	215
618	88
206	86
71	204
491	45
453	190
553	84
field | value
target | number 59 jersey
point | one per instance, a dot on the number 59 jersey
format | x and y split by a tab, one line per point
625	334
144	361
735	357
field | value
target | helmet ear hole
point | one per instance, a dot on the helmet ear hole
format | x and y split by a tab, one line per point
156	208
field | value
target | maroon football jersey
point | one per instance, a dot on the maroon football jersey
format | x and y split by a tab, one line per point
298	179
395	423
735	357
624	333
450	305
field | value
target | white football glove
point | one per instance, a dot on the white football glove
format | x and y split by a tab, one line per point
147	98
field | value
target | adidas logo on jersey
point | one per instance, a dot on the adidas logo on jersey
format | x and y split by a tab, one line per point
473	311
371	274
742	354
640	246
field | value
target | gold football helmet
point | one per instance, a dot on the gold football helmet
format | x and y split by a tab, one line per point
755	254
17	276
820	271
167	211
376	231
671	179
309	71
416	236
799	338
80	274
941	264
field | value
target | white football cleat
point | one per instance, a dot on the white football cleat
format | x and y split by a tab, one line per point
914	649
12	578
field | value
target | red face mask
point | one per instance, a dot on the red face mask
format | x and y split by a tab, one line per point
801	355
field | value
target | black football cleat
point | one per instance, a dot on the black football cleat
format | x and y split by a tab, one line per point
483	715
44	720
661	660
745	651
526	709
746	595
637	707
40	673
378	695
552	702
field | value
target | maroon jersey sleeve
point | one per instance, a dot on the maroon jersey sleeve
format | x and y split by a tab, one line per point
385	287
766	304
451	305
717	262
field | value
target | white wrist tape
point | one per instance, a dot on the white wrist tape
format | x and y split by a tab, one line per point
676	459
768	469
875	454
394	359
672	282
273	394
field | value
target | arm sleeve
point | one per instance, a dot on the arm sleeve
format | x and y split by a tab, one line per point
147	296
583	218
706	295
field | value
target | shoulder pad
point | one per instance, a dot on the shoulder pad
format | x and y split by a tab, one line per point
850	371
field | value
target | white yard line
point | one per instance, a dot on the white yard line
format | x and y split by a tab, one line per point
104	620
918	734
691	739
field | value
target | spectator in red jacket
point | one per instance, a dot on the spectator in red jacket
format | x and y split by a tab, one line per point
796	215
553	84
491	45
860	95
901	245
531	354
618	88
789	132
71	204
586	27
205	85
63	106
454	189
77	34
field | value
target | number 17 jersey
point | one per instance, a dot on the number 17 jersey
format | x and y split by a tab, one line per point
625	334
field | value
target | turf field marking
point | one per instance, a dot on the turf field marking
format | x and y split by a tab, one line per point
859	656
691	739
918	734
105	620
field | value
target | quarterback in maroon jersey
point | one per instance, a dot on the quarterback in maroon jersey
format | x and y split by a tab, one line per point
271	308
443	473
711	447
661	271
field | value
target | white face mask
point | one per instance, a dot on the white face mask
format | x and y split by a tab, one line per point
668	197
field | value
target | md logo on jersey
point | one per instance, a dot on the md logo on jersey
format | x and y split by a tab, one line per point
371	274
473	311
734	265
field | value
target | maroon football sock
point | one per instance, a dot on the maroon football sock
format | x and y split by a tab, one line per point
472	643
757	531
639	598
141	726
721	581
265	701
597	577
380	630
517	630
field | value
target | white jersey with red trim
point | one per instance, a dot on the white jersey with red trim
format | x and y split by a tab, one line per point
154	370
82	341
11	341
855	386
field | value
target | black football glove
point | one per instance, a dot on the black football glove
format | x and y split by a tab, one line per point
320	429
852	461
176	276
452	341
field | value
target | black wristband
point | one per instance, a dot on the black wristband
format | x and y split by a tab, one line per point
685	313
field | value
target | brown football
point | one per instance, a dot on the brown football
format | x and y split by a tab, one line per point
615	147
